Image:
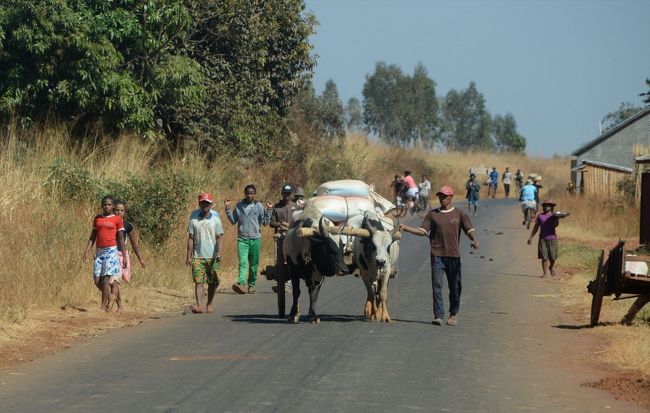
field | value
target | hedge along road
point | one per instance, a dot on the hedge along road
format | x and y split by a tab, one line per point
508	353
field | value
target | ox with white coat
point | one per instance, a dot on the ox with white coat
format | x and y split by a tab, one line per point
376	258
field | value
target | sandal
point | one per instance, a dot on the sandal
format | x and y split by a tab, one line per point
452	321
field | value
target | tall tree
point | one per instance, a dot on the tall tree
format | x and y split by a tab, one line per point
505	134
353	115
401	109
466	121
213	72
381	94
421	108
624	111
331	112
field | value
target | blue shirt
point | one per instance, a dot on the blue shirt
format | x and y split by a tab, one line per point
249	217
528	192
494	177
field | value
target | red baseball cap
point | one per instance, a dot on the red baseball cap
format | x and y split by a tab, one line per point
446	190
205	196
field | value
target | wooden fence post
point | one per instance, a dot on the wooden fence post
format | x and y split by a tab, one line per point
644	230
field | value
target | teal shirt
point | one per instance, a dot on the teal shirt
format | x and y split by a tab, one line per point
249	217
204	232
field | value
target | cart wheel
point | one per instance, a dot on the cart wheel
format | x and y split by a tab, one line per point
281	292
598	290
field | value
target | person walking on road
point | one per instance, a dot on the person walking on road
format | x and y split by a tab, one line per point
473	190
249	215
443	226
519	181
507	180
108	233
546	222
204	246
528	198
281	221
130	234
424	188
493	181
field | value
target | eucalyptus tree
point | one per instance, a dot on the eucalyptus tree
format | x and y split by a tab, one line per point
399	108
505	134
467	124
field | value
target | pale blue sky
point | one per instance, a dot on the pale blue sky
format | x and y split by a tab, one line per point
557	66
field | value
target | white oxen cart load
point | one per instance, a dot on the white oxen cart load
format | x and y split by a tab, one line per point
346	212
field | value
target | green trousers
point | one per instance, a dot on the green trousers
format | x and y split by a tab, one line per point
248	251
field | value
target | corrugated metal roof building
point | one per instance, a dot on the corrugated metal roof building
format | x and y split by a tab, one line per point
599	164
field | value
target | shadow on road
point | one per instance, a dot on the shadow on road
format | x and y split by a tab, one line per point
517	275
582	326
273	319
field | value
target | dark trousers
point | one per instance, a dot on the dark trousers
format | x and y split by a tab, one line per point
449	266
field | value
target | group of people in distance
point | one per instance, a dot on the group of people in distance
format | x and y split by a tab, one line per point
529	196
407	192
507	179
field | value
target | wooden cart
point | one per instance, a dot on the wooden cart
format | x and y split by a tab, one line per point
612	278
278	272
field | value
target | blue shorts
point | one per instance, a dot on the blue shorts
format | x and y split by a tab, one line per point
473	202
107	262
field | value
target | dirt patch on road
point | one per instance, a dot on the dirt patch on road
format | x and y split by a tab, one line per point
49	331
629	387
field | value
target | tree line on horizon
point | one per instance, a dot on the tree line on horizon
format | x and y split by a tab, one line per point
404	110
218	75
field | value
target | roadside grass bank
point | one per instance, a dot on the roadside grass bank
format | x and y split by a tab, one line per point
624	348
46	223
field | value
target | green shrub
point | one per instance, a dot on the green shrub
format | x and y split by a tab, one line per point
73	181
330	165
627	188
153	203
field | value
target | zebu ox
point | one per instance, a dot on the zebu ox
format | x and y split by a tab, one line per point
311	255
315	251
376	257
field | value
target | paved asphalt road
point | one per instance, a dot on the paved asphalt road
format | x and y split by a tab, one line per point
507	354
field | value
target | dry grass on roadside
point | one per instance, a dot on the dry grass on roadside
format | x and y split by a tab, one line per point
623	347
45	234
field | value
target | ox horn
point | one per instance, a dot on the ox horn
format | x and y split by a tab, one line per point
321	227
356	232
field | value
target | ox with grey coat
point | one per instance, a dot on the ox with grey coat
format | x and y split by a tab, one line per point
376	258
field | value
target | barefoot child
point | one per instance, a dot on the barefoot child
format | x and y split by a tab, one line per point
108	231
204	244
129	234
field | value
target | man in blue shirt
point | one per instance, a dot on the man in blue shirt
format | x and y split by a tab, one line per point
493	180
528	197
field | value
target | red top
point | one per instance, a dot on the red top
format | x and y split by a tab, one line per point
410	182
107	228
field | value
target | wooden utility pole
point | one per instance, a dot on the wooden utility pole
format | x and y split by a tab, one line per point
644	230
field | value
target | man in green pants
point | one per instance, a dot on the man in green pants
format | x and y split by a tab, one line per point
249	215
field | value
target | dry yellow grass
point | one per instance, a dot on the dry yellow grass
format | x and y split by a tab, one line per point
40	260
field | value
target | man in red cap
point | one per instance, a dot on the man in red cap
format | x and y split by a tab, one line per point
203	251
442	226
